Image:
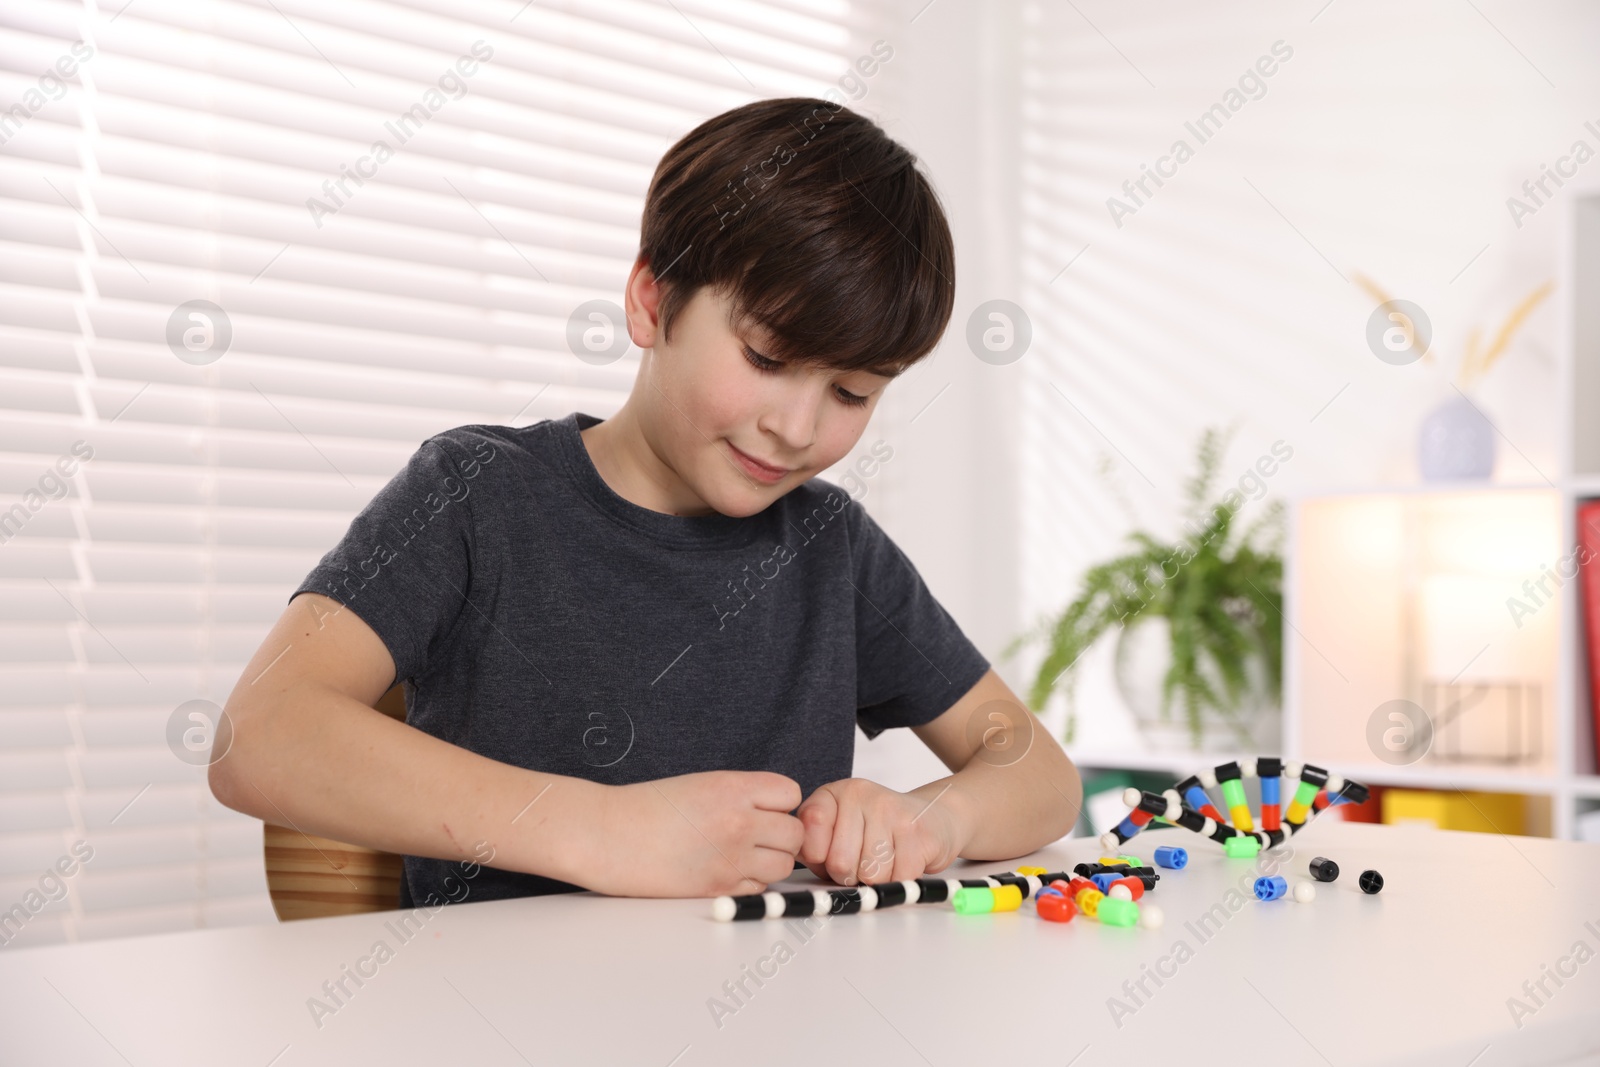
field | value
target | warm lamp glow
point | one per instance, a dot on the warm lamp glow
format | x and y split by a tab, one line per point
1460	615
1493	533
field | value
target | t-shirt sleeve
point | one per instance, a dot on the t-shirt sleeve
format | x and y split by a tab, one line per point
405	564
912	660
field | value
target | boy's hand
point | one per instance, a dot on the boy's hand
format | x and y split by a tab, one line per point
857	831
697	835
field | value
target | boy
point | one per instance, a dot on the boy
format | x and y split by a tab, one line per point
637	649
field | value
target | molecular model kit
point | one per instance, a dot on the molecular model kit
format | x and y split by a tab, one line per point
1111	890
1188	805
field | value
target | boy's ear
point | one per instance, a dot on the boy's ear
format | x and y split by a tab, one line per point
641	303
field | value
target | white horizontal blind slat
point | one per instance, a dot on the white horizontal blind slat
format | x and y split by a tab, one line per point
175	164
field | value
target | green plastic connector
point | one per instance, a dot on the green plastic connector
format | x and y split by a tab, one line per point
1115	912
973	900
1242	846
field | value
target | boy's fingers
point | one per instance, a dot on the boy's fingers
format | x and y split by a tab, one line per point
770	865
817	816
877	853
907	862
781	832
774	792
844	854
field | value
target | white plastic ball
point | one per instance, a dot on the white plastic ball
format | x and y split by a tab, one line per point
1150	916
1305	892
1120	892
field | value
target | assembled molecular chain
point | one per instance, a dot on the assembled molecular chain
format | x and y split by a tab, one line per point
1105	890
1188	805
1109	890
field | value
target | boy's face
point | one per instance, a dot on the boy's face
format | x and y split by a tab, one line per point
708	408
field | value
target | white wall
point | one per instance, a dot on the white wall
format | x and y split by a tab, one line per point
950	496
1387	144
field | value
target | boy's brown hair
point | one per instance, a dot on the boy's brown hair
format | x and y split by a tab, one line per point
818	226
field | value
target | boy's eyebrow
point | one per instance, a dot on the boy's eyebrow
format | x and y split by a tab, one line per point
754	332
890	373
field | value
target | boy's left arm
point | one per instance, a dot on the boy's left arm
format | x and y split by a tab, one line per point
1013	791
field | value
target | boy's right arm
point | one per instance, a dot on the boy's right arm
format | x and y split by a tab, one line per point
305	748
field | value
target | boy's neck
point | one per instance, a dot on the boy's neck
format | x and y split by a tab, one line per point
633	470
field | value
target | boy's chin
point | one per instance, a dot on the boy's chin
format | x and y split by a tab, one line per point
742	501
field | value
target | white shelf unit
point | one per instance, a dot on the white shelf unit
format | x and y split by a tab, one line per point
1388	656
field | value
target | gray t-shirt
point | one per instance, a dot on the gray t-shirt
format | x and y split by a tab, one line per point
546	622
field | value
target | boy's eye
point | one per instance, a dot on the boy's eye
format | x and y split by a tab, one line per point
762	363
758	361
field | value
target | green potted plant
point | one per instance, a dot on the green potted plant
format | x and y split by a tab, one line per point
1209	604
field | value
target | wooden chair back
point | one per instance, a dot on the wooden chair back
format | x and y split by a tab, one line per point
309	877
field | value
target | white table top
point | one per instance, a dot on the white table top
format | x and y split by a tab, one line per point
1419	974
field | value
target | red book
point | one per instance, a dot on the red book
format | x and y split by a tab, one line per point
1589	574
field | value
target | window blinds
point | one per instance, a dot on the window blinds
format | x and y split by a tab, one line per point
227	317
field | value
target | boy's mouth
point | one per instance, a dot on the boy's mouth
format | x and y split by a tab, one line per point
757	469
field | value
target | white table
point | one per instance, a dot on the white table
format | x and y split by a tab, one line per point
1419	974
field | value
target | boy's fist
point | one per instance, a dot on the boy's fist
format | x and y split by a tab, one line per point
697	835
857	831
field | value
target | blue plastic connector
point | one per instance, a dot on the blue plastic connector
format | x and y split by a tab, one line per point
1172	856
1271	888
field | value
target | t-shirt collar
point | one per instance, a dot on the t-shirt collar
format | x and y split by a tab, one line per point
686	531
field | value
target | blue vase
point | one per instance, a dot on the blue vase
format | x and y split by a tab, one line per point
1456	443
